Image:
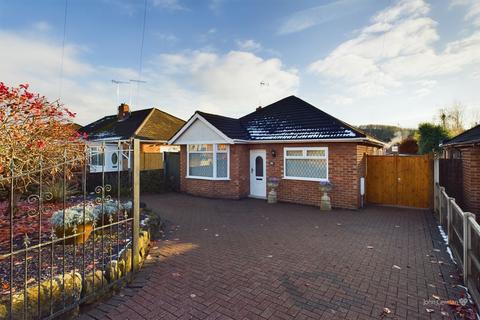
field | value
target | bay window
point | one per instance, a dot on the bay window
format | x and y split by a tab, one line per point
208	161
306	163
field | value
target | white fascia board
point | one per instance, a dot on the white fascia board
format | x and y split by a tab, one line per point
204	121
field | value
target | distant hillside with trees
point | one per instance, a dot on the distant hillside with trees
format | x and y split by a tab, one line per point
386	133
448	122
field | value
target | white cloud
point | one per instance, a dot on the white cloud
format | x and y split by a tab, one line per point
396	49
249	45
177	83
472	8
215	5
166	37
228	82
42	71
339	100
42	26
173	5
310	17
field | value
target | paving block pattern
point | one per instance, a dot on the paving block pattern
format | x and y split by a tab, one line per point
246	259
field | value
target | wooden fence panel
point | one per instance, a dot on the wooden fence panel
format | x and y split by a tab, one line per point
451	178
414	181
151	161
400	180
381	183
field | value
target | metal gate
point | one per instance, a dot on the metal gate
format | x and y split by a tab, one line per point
400	180
64	241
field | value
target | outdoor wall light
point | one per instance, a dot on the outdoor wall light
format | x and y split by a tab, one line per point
274	153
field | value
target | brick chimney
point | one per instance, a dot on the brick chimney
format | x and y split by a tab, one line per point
123	112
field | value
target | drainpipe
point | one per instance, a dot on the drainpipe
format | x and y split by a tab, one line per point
362	191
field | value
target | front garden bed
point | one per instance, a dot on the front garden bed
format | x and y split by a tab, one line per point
104	258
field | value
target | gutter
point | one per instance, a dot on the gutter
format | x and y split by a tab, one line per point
461	144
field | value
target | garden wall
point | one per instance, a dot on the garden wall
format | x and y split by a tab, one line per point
75	288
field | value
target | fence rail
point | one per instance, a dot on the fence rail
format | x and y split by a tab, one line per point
63	242
463	234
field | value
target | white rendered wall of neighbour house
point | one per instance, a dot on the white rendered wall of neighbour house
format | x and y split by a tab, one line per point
110	160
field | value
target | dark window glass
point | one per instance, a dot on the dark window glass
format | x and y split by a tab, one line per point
259	166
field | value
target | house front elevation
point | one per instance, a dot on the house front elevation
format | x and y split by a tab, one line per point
111	134
289	141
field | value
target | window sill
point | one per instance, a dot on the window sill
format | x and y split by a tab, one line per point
305	179
207	178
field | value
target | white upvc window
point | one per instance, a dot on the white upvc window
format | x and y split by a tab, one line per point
306	163
208	161
96	156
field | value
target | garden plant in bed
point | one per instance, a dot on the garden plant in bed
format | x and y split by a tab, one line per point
86	248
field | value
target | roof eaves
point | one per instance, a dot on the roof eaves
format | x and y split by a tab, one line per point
355	139
461	143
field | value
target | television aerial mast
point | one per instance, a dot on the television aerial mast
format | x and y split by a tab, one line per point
118	83
138	82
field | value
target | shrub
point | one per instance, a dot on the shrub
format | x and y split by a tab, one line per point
56	190
73	216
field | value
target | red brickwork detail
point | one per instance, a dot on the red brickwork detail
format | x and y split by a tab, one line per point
346	164
471	179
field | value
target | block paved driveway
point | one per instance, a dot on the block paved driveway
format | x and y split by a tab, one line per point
249	260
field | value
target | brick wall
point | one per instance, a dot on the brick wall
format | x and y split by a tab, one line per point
471	179
346	166
235	188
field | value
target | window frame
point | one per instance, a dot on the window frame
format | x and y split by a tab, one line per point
96	152
214	151
304	157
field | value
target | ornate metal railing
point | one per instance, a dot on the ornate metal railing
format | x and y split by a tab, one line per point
63	240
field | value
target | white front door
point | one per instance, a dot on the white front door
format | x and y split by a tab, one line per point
258	174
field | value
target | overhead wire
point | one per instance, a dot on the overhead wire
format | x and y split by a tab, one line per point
142	44
60	86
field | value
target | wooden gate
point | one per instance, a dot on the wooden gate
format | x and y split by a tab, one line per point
172	169
400	180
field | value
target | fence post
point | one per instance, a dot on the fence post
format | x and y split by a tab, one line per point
136	204
436	182
466	246
441	213
449	218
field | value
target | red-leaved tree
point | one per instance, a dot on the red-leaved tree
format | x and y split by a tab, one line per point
35	133
408	146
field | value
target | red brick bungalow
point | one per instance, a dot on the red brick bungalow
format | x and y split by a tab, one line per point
290	140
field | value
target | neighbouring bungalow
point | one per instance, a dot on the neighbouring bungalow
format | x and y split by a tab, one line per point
290	140
152	126
460	169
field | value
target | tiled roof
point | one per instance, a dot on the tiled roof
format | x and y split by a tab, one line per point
160	126
471	135
231	127
288	119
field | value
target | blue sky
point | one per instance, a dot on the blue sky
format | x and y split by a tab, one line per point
364	61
